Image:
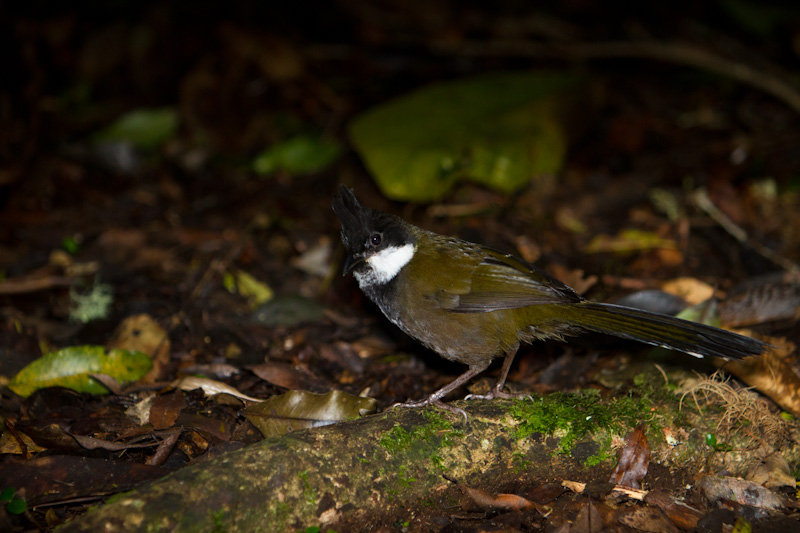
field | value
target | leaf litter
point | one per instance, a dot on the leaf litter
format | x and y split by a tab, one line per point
171	206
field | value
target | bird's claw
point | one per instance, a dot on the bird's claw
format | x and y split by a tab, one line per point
435	402
499	394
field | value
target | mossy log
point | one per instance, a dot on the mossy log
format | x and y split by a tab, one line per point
378	470
338	474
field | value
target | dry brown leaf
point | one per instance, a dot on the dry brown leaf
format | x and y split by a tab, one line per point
773	472
287	376
166	409
210	387
588	520
486	501
634	460
692	290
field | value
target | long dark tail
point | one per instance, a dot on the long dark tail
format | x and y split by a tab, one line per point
693	338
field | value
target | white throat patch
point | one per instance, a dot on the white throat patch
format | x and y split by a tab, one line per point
385	265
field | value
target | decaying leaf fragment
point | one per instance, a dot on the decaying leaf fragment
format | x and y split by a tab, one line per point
716	488
634	459
772	472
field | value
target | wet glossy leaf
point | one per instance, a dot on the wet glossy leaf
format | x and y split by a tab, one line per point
72	368
257	292
142	128
16	506
301	409
302	154
500	130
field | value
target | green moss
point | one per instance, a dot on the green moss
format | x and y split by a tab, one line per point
415	445
396	439
310	494
403	477
280	513
438	431
572	416
603	454
520	463
218	518
138	504
438	462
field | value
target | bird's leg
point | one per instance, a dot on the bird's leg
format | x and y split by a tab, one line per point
435	399
497	391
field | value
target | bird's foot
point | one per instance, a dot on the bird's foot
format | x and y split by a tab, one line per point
435	402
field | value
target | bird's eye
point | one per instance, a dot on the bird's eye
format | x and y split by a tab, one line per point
375	239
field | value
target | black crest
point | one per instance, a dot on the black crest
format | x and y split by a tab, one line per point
359	223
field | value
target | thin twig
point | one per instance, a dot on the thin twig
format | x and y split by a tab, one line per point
704	202
578	487
677	53
27	285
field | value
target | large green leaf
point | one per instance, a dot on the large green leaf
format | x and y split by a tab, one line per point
302	154
143	128
71	367
501	130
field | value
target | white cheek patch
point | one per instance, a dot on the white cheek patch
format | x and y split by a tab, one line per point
386	264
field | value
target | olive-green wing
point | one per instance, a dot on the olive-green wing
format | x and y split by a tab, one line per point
502	281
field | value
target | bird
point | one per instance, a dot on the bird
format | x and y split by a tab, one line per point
471	304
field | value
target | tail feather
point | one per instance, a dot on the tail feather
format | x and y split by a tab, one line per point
692	338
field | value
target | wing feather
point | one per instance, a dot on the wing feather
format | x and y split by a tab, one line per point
501	281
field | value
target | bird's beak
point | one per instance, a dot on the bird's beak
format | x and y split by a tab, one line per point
350	263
